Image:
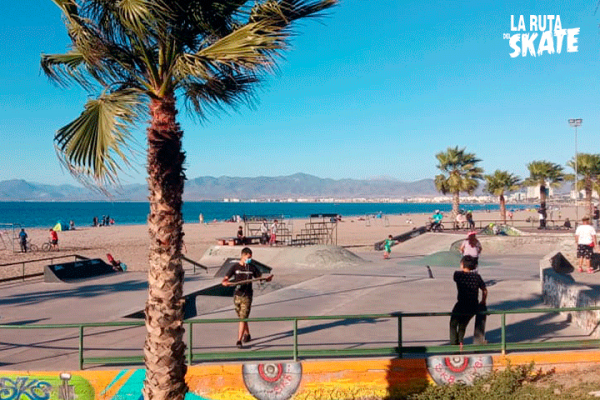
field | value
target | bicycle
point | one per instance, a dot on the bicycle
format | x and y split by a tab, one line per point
47	246
29	247
32	247
435	227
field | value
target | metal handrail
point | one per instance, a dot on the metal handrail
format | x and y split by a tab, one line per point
296	352
22	263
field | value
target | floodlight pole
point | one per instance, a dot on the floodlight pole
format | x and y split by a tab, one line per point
574	123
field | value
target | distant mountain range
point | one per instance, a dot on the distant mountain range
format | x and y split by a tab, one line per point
211	188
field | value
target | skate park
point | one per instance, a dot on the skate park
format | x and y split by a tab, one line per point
352	298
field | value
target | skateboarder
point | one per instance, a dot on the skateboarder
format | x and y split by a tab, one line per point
242	296
468	284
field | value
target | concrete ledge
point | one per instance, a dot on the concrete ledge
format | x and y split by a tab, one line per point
560	290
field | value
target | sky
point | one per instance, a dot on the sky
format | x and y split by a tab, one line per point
376	88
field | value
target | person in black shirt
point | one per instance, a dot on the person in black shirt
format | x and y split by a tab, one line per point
242	296
240	236
468	284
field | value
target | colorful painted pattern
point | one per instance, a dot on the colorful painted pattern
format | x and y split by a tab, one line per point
339	380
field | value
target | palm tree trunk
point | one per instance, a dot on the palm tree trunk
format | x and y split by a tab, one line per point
455	204
503	208
164	349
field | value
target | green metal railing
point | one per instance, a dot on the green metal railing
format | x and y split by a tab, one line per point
296	352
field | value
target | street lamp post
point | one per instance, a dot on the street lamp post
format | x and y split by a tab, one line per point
574	123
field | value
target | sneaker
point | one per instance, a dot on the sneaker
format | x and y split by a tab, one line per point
247	338
239	344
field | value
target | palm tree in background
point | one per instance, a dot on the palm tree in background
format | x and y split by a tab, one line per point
460	173
588	171
135	57
542	173
499	183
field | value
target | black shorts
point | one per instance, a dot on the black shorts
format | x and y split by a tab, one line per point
584	251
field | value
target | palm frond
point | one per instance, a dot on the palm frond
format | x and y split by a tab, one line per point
214	94
62	68
91	146
287	11
249	47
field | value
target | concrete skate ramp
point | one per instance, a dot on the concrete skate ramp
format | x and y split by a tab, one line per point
77	270
230	262
402	237
425	244
526	244
307	257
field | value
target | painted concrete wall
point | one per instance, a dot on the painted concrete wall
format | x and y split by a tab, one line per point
339	380
560	290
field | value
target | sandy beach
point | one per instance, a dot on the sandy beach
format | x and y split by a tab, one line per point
129	243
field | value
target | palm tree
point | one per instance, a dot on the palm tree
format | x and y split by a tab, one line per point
136	57
542	173
459	174
588	172
500	182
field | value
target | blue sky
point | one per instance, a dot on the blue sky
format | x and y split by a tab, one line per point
376	88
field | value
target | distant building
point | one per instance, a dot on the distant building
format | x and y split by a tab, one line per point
533	192
572	194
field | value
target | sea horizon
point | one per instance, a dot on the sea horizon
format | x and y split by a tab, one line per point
36	214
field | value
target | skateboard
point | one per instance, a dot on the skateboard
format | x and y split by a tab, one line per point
260	279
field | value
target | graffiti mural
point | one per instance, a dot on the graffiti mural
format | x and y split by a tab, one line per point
272	381
44	387
24	388
453	369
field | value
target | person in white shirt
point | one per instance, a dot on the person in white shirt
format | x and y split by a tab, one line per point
273	239
585	237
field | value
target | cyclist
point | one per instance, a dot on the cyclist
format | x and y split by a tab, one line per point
436	219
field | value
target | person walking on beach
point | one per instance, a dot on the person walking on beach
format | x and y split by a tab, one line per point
471	246
23	240
596	217
54	239
468	284
387	247
585	237
273	239
242	296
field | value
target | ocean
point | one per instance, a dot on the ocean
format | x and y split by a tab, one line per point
47	214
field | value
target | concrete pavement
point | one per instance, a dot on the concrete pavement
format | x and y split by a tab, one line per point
372	286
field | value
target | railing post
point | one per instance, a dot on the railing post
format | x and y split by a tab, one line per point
80	347
190	345
295	339
503	334
400	336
